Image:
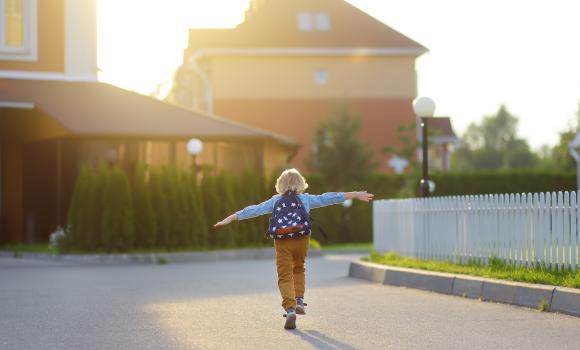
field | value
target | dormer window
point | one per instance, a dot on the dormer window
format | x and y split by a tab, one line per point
313	21
305	21
320	76
18	30
322	21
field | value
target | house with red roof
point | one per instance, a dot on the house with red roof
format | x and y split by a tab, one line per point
291	62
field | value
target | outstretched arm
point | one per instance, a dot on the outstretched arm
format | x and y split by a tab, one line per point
227	220
330	198
249	212
360	195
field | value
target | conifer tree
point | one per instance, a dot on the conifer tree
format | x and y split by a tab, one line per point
160	208
95	208
211	206
340	154
145	224
117	221
77	220
197	215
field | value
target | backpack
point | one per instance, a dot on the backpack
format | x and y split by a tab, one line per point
289	218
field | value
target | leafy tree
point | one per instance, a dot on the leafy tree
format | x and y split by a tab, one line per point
559	156
145	224
494	144
339	153
117	221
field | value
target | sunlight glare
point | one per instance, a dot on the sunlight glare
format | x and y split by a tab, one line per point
141	42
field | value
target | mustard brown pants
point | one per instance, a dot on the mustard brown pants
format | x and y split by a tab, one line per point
290	258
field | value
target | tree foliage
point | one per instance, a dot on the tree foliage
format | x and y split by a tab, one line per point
559	156
117	221
145	225
494	144
339	153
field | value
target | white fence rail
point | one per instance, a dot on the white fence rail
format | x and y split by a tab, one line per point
521	229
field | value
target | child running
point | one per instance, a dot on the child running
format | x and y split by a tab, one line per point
290	228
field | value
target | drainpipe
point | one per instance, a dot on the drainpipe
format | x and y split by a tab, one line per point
194	65
207	88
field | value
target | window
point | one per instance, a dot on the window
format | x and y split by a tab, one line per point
320	76
305	21
322	21
18	30
309	21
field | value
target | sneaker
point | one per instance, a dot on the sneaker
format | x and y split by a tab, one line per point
290	319
300	310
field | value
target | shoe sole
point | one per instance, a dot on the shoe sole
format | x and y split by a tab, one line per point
300	310
290	321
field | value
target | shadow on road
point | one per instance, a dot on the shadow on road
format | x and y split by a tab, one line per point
321	341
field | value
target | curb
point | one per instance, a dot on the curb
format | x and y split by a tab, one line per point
557	299
153	258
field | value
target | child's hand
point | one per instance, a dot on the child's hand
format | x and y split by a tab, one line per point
364	196
226	220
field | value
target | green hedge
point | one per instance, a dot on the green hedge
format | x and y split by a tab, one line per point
164	207
487	182
161	207
354	224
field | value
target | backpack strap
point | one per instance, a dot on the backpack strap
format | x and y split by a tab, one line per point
320	229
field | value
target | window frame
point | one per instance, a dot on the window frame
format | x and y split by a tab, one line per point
28	51
305	21
321	76
322	21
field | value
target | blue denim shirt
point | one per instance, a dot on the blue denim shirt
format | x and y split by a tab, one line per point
310	201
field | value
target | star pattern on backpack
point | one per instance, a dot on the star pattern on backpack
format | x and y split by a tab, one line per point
289	218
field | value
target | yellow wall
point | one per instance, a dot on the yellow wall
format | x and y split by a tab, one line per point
274	157
293	77
50	40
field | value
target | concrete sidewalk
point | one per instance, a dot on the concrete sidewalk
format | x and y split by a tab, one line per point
553	298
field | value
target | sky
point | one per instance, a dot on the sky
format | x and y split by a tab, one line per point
482	53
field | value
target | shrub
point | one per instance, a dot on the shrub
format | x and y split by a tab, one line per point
196	215
145	224
77	213
489	182
160	208
117	220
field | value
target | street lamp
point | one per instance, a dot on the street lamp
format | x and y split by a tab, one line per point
194	147
424	107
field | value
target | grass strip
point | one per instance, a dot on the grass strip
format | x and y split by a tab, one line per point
348	246
496	268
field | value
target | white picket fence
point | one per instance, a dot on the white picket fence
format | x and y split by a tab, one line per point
521	229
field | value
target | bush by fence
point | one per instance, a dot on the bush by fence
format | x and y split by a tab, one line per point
492	182
168	208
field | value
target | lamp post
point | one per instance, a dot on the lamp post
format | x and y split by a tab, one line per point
194	147
424	107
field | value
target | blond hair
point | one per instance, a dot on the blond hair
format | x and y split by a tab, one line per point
291	180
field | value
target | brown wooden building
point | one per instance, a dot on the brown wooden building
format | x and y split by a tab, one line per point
55	116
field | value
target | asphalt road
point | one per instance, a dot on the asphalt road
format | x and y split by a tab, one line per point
235	305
